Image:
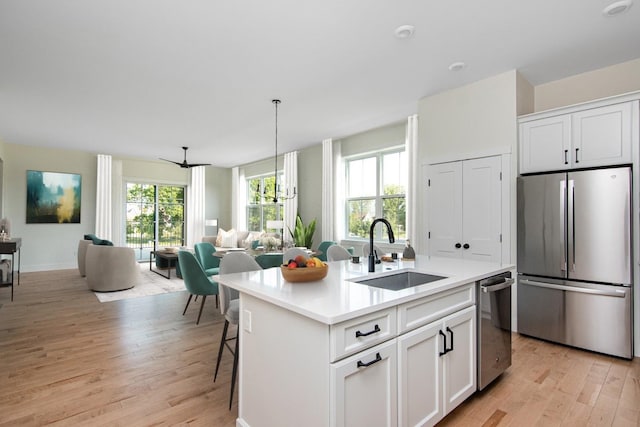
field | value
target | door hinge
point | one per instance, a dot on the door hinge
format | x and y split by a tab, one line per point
429	235
500	176
428	183
500	237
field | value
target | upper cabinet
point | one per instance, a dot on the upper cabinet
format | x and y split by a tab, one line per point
599	136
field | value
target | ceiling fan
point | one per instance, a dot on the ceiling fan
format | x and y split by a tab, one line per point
184	164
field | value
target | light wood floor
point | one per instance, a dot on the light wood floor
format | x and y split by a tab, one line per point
66	359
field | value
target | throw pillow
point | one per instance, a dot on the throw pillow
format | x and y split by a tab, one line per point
252	237
229	239
219	237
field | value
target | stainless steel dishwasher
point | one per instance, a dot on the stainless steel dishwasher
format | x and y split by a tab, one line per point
494	327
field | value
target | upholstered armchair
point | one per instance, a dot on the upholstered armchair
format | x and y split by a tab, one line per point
111	268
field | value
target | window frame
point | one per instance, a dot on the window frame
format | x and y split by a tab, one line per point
264	202
379	195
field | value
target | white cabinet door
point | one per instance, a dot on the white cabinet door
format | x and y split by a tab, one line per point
482	209
460	370
465	205
593	137
545	144
445	209
364	388
436	368
420	376
602	136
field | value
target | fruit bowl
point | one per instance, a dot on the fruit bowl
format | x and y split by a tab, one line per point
307	274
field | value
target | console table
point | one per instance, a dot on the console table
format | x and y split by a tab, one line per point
11	247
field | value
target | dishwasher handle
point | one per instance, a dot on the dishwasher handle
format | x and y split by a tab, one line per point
498	286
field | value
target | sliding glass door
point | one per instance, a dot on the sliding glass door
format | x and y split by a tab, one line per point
155	217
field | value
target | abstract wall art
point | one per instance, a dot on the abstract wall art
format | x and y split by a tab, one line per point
53	197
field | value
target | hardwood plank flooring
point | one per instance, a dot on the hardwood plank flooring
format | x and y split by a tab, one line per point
67	359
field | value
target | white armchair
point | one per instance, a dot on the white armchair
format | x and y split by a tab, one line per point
111	268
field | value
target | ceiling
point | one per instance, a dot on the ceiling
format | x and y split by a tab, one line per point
141	78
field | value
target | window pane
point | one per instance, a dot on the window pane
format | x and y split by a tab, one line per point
253	191
269	212
361	214
394	176
362	178
268	186
394	210
253	218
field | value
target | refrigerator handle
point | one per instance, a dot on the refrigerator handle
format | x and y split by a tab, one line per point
618	293
563	201
572	226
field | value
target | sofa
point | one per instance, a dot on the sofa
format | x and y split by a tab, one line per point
111	268
236	239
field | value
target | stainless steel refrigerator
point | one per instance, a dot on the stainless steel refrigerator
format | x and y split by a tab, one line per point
575	271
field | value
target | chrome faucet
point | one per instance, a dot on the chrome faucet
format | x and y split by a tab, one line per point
372	257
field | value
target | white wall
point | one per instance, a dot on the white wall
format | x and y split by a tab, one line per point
54	246
47	246
601	83
475	120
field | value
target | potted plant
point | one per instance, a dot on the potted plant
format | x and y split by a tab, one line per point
303	235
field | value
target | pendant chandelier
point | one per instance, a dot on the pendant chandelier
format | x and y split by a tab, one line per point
277	194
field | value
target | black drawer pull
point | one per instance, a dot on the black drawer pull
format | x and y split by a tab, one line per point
376	328
566	161
364	365
450	348
444	337
577	161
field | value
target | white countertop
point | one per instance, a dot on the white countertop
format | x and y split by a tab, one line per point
335	298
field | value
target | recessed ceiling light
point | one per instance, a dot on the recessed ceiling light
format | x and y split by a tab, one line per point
404	31
617	8
457	66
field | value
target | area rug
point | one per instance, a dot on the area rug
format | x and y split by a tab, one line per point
150	284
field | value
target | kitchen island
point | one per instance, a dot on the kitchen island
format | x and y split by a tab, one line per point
340	353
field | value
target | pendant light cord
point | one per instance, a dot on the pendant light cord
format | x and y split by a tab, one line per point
275	157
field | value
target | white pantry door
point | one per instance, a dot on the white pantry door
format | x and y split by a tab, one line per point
465	205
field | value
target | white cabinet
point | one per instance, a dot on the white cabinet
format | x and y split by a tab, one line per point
363	388
376	369
465	204
436	368
593	137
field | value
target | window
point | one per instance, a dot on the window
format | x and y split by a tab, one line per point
376	186
155	217
260	205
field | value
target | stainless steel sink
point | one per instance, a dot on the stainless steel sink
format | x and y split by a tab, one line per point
398	281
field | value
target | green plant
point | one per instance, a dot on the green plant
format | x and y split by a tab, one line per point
303	235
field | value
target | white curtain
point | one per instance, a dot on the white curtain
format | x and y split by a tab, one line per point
238	200
328	195
103	197
290	186
117	204
411	146
338	191
195	206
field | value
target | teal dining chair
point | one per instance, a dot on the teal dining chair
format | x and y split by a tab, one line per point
322	249
195	280
205	255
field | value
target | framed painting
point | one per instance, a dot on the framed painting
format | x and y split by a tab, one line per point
53	197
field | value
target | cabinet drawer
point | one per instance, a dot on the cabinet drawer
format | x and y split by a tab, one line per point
426	310
362	332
